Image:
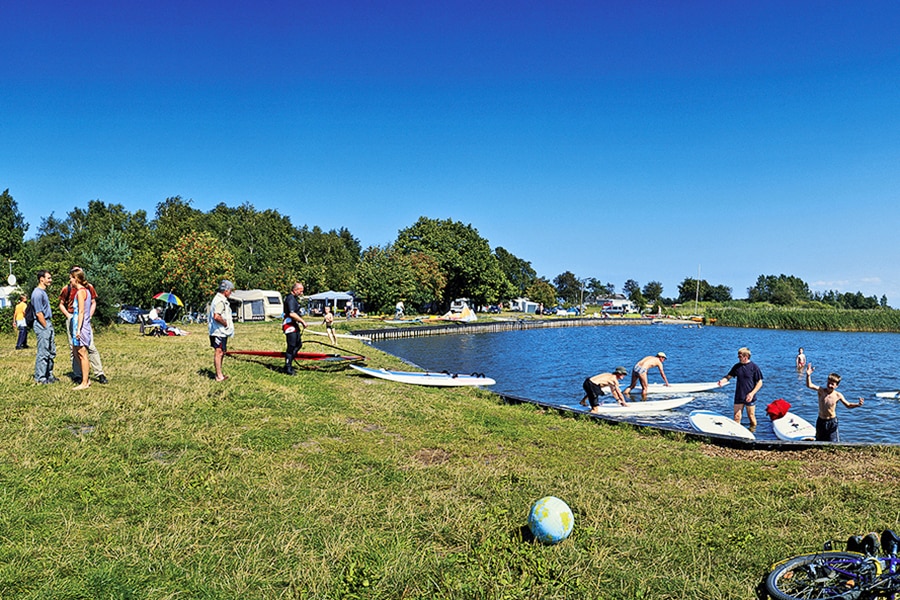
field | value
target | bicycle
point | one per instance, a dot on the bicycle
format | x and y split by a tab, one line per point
858	573
194	317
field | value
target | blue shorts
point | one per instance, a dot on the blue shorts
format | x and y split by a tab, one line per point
219	342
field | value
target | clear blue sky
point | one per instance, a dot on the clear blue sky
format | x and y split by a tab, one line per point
617	140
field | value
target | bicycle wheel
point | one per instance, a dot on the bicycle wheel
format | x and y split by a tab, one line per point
822	576
186	320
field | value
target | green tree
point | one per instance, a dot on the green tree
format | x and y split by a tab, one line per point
193	268
783	290
687	290
12	226
465	258
653	291
541	291
518	272
104	267
568	287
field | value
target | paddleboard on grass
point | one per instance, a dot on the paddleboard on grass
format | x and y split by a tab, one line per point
678	388
430	378
614	408
792	428
893	395
706	421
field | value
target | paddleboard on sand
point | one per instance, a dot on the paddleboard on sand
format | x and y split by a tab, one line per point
888	395
427	377
706	421
792	428
614	408
678	388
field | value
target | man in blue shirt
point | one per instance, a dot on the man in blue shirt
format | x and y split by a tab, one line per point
749	381
43	330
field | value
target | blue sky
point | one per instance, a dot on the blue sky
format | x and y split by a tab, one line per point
617	140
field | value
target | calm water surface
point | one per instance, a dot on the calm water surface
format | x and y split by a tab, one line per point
550	365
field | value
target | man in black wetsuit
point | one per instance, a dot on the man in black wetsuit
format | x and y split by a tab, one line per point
292	326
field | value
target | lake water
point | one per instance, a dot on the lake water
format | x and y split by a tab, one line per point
550	365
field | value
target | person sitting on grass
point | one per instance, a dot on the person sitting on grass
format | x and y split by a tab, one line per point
593	388
827	423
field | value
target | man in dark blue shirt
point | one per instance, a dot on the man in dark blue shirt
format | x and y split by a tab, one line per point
292	326
749	381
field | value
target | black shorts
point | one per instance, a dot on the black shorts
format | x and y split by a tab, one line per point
219	342
827	430
593	391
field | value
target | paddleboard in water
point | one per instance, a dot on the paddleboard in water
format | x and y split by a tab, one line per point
888	395
427	377
678	388
706	421
792	428
614	408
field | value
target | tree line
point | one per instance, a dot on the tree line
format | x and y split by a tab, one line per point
130	256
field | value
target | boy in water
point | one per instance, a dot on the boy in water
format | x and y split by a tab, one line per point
827	423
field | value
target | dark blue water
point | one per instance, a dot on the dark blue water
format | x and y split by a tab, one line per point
550	365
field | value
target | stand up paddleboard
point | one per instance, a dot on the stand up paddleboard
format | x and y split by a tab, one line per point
706	421
678	388
792	428
427	377
614	408
893	395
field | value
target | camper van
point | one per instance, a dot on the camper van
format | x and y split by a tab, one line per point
257	305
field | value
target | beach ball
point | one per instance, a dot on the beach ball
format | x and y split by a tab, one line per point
551	520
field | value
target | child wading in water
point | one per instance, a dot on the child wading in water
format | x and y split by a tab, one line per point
827	423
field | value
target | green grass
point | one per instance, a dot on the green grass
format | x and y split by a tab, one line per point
166	484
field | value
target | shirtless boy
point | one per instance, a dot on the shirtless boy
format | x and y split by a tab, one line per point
827	423
593	387
639	373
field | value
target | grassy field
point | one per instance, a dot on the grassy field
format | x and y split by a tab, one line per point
166	484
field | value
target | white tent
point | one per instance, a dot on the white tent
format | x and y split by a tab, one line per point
317	302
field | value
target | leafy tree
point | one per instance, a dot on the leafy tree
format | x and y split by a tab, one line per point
653	291
598	289
193	268
465	258
541	291
386	276
631	288
517	271
103	265
782	290
329	259
687	290
568	287
719	293
12	226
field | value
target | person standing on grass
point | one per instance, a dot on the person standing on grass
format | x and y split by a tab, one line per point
329	324
827	423
20	324
749	382
79	325
66	306
221	325
43	330
293	326
639	373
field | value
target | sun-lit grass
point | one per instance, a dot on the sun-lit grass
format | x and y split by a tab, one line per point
166	484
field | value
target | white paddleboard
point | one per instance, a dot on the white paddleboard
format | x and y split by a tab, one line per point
346	336
678	388
430	378
706	421
614	408
888	395
792	428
